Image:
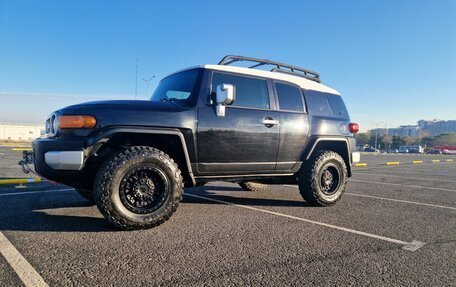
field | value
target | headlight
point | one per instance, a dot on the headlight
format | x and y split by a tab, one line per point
54	124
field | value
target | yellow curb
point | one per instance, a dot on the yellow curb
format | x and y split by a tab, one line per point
19	180
21	148
417	161
13	145
361	164
436	160
449	160
392	163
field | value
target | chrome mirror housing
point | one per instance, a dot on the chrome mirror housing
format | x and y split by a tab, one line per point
225	95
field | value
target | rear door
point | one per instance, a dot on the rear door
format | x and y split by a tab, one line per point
294	125
240	142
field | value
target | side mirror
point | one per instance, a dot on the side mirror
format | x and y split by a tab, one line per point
225	95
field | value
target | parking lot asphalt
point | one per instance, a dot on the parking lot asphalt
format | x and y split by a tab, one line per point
223	236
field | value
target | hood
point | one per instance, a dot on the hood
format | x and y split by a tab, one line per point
125	104
134	113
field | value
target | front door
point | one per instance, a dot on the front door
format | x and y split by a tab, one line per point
246	139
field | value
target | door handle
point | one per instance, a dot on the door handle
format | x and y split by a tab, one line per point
269	122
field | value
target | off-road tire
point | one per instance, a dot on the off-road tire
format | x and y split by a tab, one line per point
87	194
310	178
252	186
108	182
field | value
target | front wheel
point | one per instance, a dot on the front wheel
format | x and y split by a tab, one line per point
322	180
138	188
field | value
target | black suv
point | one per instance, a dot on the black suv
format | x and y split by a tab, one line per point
256	124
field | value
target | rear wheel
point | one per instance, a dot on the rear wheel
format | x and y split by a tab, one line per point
322	180
139	188
252	186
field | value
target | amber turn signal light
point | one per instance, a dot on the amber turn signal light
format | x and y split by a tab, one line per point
77	122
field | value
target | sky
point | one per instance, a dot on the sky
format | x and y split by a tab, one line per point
394	62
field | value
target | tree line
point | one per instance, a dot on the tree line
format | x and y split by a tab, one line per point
394	142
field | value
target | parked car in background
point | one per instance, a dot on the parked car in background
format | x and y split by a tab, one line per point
392	150
434	151
371	149
403	149
415	149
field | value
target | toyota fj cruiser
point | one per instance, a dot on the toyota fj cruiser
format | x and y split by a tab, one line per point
256	124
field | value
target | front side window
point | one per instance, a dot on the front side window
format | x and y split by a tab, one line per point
290	98
250	92
181	87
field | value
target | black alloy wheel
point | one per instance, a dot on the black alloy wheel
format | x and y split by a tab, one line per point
330	178
144	189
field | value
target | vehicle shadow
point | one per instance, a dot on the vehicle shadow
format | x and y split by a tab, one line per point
53	212
253	200
67	211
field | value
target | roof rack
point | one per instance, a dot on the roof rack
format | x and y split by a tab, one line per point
279	67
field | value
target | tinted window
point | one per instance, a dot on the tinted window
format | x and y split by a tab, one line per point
337	106
180	87
290	98
250	92
317	103
324	104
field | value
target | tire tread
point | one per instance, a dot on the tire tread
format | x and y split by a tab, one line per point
308	182
107	172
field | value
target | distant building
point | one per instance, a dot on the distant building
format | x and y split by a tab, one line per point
437	127
405	131
20	132
431	128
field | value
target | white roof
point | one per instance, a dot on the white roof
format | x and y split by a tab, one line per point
297	80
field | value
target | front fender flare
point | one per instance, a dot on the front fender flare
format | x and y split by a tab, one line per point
104	136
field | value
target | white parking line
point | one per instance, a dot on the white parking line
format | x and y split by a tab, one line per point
35	192
410	246
407	177
23	269
403	201
392	199
403	185
424	167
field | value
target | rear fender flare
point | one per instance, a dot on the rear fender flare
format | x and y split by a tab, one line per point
346	154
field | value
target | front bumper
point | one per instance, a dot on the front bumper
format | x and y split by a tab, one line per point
59	160
356	157
65	160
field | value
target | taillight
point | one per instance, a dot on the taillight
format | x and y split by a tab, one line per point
353	128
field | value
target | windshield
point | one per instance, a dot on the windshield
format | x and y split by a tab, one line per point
180	87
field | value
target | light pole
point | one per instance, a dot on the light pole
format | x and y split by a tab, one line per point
136	80
376	131
148	84
419	136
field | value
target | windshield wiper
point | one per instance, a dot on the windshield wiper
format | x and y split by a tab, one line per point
171	100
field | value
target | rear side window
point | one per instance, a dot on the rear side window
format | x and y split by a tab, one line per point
337	106
325	104
290	98
250	92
